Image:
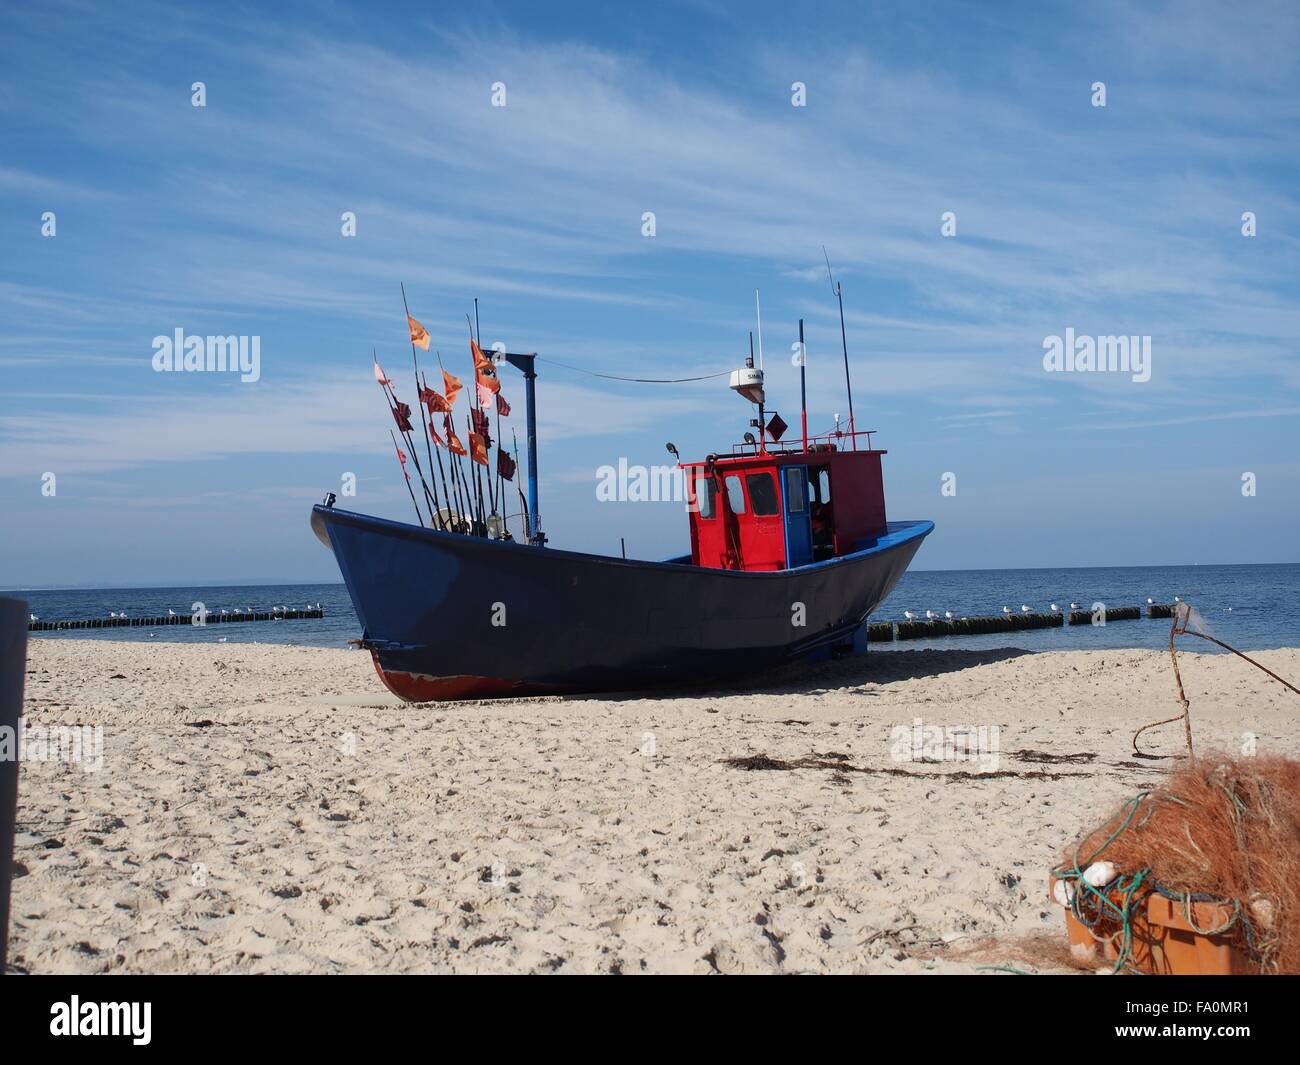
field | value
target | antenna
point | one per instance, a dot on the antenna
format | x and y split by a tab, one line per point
758	313
838	290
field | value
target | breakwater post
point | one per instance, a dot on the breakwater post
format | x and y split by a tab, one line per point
210	618
924	629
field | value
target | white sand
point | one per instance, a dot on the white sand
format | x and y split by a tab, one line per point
316	824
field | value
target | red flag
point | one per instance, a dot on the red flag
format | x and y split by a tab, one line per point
402	415
434	433
452	386
401	457
479	422
484	372
503	408
505	465
477	449
453	441
435	402
419	335
379	375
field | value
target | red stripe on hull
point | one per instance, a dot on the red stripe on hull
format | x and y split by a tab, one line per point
423	688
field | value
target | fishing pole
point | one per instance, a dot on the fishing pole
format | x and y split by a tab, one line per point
408	479
838	290
457	471
442	474
419	402
476	404
390	398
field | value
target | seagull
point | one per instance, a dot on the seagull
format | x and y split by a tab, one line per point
1024	609
1074	606
1055	609
35	618
908	614
1149	600
170	612
1177	600
223	609
930	615
948	614
1006	610
112	613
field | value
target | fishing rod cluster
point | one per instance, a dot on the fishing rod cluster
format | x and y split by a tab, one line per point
471	501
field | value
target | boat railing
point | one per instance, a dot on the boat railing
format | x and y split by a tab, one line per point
842	440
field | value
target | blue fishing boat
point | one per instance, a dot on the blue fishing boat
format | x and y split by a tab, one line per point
791	551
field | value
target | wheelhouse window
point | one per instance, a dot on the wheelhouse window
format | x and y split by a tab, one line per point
705	493
823	485
795	479
735	495
762	493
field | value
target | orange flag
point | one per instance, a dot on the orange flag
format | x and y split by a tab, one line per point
379	374
435	402
419	335
453	441
484	372
452	387
478	448
433	432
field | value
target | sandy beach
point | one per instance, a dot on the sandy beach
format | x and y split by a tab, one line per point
274	809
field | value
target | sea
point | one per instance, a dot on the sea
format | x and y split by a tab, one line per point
1250	607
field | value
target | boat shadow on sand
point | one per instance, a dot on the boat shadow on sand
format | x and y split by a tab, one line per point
802	678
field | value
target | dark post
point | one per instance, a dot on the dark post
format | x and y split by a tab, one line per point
13	659
803	386
525	364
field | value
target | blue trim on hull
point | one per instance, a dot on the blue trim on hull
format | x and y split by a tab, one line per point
492	617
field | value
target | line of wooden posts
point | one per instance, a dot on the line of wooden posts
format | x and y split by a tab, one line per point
209	618
926	628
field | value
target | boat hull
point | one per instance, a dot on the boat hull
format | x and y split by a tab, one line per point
452	617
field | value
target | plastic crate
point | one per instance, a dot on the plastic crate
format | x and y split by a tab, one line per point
1165	944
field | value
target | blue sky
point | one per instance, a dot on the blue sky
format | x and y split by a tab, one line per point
226	220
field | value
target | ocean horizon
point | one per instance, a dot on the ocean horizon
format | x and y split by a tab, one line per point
1250	606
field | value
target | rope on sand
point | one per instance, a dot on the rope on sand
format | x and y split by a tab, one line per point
1182	615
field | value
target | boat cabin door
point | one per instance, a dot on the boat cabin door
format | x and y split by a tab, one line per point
798	520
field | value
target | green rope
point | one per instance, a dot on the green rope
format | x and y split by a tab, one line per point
1133	890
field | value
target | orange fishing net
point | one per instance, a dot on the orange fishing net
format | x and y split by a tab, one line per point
1219	828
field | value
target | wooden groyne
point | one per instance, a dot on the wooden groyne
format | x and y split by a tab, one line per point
929	628
211	618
